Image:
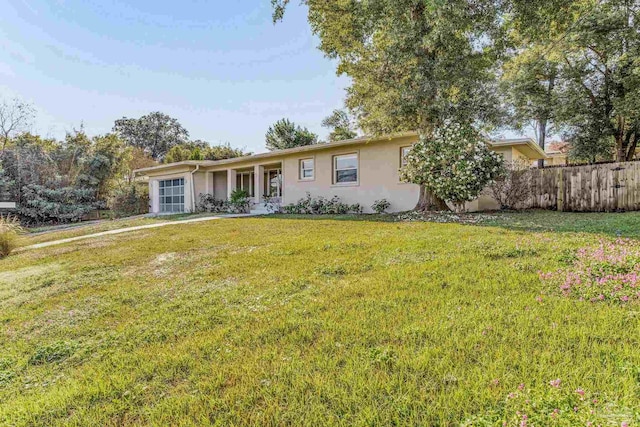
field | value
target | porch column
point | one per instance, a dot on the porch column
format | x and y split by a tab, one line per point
208	188
231	182
258	183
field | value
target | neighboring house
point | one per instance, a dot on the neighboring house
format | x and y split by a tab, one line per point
557	154
360	170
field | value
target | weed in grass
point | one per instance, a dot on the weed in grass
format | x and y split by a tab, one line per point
54	352
609	271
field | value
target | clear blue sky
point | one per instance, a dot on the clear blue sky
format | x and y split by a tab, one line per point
220	67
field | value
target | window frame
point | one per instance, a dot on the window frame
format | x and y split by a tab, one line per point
334	169
301	169
403	157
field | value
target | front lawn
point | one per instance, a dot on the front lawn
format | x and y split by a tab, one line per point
291	321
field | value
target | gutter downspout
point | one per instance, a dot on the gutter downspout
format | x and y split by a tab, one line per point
193	190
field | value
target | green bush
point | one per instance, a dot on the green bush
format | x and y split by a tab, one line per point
380	206
129	201
240	201
208	203
9	230
44	204
321	206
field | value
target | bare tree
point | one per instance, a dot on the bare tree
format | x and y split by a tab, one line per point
15	116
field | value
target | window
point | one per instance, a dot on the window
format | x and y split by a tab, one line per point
404	151
172	195
345	169
306	169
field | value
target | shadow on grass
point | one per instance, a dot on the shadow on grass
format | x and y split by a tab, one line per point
613	224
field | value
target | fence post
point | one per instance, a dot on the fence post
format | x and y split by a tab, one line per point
560	198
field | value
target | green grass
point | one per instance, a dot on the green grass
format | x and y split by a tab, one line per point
289	321
48	234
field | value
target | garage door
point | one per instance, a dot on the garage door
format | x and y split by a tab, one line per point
172	195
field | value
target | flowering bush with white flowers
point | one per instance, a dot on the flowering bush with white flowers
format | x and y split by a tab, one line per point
455	164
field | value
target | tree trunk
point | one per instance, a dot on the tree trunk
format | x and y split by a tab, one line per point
542	138
430	202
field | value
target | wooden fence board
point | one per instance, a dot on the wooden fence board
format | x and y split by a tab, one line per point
596	188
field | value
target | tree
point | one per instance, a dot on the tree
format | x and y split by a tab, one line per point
286	134
155	133
223	151
15	117
413	64
529	83
202	150
341	126
597	44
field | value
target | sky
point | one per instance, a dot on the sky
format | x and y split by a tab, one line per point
222	68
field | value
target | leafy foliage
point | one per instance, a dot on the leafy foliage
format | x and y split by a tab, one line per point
286	134
381	206
208	203
156	133
43	204
321	206
592	48
341	126
455	164
202	150
132	199
239	201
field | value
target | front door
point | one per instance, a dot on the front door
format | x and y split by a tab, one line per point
273	183
244	181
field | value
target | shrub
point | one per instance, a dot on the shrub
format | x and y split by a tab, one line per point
9	230
512	189
132	200
273	204
56	205
239	202
321	206
454	163
380	206
607	272
208	203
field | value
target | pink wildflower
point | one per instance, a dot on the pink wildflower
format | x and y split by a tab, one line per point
555	383
521	386
580	392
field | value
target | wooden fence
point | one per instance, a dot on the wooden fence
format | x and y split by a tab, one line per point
591	188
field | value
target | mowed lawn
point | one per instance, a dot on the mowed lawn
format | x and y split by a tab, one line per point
291	321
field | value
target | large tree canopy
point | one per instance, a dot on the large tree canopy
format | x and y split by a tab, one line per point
413	64
155	133
577	64
286	134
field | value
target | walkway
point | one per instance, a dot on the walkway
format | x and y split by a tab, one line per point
127	230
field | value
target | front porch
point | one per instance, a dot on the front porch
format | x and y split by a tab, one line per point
258	181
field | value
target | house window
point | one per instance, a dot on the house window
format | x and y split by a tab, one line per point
306	169
172	195
345	169
404	152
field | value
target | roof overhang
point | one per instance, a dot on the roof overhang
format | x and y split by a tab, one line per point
526	146
277	153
